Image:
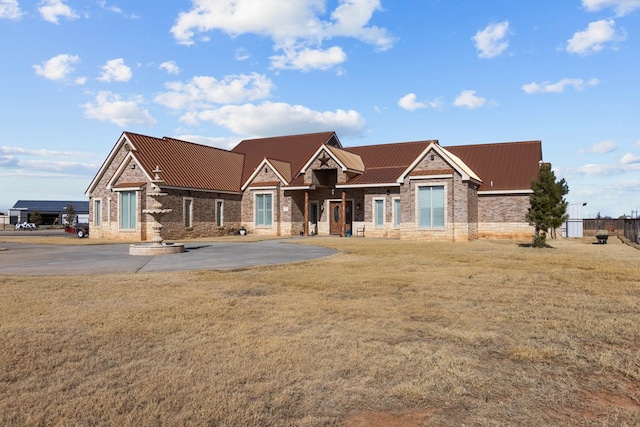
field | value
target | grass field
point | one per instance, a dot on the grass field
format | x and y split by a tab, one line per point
387	333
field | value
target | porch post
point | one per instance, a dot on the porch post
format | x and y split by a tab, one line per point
306	213
343	209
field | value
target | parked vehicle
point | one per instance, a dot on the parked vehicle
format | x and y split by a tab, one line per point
80	230
26	226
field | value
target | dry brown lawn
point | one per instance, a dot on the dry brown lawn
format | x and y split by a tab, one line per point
385	333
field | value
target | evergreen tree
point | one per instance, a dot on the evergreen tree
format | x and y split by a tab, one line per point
36	218
548	208
70	215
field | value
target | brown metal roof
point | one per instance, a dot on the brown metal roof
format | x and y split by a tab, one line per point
390	155
283	168
502	166
384	163
417	172
295	149
188	165
350	160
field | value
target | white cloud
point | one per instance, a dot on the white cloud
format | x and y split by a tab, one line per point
42	152
409	103
638	143
224	143
491	41
112	108
622	7
242	54
293	26
202	91
51	10
592	39
170	67
10	9
558	87
58	67
603	147
115	70
271	118
630	159
307	59
469	99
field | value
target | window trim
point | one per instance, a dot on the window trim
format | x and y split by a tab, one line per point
97	212
444	187
397	213
219	212
255	210
120	219
375	212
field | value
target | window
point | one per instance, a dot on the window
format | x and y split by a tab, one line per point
396	213
97	212
219	210
128	210
188	213
264	210
378	212
431	207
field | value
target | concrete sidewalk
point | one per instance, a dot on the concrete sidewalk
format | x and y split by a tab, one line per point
33	259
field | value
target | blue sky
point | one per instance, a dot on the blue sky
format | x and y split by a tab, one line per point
76	74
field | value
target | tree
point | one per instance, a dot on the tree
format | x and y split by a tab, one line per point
548	208
70	215
36	218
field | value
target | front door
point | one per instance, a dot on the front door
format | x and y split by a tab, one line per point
335	217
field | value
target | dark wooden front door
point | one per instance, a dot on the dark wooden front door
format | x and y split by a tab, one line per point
335	217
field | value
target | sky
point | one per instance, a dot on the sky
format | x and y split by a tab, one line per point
76	74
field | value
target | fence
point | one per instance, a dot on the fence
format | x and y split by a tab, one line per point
630	227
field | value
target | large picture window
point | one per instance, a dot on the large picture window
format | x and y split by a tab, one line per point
431	207
264	210
128	210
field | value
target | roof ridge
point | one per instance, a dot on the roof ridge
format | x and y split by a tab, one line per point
426	141
165	138
289	136
533	141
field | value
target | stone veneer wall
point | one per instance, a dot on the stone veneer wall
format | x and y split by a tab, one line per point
503	216
203	220
204	209
109	229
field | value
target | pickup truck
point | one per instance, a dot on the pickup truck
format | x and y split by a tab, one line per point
80	230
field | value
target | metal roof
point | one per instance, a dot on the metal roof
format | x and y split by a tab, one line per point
294	149
52	206
502	166
187	164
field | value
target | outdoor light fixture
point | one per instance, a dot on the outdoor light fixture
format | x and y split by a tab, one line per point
358	207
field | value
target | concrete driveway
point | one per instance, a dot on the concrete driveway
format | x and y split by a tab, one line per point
34	259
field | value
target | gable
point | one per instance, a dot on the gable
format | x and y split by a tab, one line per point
294	149
184	164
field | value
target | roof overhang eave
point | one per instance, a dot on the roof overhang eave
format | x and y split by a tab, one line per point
498	192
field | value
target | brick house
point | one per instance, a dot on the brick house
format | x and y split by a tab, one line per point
310	184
